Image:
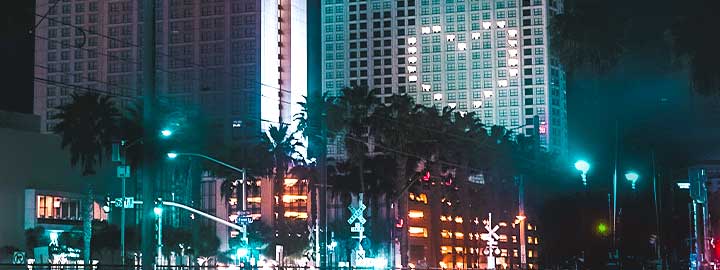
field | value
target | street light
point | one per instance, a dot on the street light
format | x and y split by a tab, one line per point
166	133
583	167
242	252
173	155
632	177
158	211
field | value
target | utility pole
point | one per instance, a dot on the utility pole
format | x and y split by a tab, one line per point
149	129
522	217
123	163
615	255
244	206
657	212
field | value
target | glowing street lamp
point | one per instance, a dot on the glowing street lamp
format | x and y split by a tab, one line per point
242	252
632	177
583	167
172	155
166	133
158	211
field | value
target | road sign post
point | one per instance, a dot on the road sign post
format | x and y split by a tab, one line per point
491	239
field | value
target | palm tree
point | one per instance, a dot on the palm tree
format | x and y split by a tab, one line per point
585	37
690	20
282	147
87	127
348	120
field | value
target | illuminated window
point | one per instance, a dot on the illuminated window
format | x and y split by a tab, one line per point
503	238
459	235
514	239
459	250
536	240
418	232
503	252
446	234
531	254
515	253
415	214
458	219
445	249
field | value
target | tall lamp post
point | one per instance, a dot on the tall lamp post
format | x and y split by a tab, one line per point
583	167
632	177
173	155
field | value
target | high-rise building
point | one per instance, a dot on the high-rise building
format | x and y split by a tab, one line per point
236	61
491	57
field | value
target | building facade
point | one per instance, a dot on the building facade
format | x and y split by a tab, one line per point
261	204
57	211
236	61
445	227
34	166
491	57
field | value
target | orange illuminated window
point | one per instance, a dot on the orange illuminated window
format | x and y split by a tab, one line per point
415	214
445	249
458	219
459	235
446	234
514	239
503	238
531	254
418	232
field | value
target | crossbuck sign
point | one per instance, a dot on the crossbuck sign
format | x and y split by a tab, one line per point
358	220
491	241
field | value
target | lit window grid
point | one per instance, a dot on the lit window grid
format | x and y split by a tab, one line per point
536	20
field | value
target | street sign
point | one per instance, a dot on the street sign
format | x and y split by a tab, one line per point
19	257
357	228
129	202
491	249
244	220
123	171
118	202
357	213
244	213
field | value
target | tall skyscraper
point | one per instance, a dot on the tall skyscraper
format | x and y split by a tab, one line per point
242	63
491	57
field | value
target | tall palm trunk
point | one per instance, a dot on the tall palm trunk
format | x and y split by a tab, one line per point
87	226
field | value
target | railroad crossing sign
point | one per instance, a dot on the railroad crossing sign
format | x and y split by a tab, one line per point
491	249
358	221
357	212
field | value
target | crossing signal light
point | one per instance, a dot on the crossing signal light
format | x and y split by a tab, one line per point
106	207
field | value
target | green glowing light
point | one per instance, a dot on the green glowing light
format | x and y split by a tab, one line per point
602	228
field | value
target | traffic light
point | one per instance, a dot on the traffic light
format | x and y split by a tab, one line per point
602	229
106	207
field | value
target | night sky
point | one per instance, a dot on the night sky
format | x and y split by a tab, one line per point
647	93
16	47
